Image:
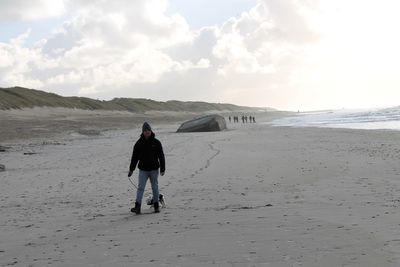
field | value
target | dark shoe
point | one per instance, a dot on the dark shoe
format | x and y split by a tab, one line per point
156	207
136	209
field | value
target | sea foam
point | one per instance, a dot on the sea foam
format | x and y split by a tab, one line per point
386	118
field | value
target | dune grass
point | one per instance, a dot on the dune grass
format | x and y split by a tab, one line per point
19	98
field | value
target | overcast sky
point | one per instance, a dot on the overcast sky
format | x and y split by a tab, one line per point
286	54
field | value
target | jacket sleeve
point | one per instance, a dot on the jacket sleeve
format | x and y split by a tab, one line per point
161	158
135	157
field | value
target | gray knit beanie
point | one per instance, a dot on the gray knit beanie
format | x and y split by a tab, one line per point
146	126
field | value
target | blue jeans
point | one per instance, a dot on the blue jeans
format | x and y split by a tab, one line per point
143	176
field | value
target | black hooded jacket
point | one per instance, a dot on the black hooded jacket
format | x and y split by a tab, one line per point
149	153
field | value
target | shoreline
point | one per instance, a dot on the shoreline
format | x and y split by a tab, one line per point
338	119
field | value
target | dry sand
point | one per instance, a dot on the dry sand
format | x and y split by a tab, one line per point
44	123
254	195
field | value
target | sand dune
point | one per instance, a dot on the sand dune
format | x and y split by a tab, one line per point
250	196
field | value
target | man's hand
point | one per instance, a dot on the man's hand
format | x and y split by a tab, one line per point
162	173
130	173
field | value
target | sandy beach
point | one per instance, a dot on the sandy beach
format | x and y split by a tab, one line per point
253	195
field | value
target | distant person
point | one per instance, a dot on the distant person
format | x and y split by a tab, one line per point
250	119
229	119
254	119
148	152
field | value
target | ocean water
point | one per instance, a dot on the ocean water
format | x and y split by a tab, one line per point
386	118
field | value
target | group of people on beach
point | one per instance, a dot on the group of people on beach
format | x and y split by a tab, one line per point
244	118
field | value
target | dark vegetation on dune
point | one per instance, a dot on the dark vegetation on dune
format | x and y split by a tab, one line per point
19	97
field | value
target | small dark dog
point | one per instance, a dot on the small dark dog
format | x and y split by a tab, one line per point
161	200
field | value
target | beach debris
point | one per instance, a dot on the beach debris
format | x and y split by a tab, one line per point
208	123
44	143
2	168
3	148
30	153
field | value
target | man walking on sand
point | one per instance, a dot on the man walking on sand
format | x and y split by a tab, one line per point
149	153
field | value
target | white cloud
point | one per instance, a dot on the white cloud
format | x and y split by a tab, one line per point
22	80
30	10
231	47
19	63
259	53
103	44
123	44
282	53
6	58
203	63
91	90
